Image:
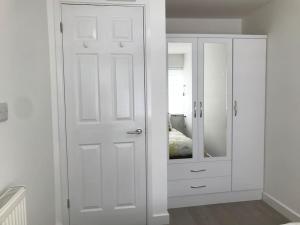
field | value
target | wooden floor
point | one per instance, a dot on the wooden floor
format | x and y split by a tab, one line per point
246	213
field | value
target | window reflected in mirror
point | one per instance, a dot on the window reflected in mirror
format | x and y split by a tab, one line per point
180	76
215	100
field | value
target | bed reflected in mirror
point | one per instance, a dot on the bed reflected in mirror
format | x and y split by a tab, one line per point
180	75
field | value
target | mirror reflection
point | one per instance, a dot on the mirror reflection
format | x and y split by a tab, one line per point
180	75
215	101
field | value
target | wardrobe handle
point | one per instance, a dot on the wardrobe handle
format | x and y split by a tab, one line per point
198	187
198	171
235	108
201	109
195	109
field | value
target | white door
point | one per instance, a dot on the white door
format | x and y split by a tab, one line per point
105	114
249	113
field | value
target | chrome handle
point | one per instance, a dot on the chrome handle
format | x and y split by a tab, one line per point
195	109
235	108
198	187
137	132
198	171
201	109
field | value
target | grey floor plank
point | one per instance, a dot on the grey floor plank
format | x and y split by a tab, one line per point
242	213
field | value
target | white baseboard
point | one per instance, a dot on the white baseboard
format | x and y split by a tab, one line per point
282	208
209	199
159	219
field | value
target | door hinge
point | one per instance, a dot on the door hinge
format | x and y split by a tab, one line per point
68	204
61	27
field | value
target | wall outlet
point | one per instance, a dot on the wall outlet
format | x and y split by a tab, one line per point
3	112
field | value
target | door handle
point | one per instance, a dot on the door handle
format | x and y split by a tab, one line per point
195	109
137	132
201	109
235	108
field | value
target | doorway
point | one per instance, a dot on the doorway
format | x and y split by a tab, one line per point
104	79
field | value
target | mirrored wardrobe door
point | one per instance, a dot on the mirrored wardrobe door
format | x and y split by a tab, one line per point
182	86
215	94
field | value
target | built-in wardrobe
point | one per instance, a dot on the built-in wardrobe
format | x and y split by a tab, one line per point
216	118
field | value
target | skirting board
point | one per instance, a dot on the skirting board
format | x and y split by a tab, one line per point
282	208
159	219
210	199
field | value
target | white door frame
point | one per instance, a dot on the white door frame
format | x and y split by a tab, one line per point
156	115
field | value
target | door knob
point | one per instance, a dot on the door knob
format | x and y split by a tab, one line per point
138	132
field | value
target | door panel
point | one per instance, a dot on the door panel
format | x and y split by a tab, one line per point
88	76
122	29
104	91
91	157
249	113
123	86
125	175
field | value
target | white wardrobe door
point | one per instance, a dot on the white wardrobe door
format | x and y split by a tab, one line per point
249	113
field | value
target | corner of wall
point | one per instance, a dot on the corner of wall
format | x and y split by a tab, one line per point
281	207
157	112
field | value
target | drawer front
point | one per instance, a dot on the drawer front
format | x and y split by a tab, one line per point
199	170
199	186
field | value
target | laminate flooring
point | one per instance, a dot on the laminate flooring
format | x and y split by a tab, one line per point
242	213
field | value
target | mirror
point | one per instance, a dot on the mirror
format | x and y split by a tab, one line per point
215	99
180	75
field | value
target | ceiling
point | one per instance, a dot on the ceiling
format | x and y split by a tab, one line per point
211	8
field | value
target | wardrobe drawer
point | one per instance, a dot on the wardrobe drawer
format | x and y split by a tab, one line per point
199	170
199	186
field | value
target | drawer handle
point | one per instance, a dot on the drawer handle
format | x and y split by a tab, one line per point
198	171
198	187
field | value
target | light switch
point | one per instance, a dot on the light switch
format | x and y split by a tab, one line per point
3	112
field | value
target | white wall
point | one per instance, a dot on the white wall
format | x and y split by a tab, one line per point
176	89
157	97
179	104
280	20
204	26
188	81
25	139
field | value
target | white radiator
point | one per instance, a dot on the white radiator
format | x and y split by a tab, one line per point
13	207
